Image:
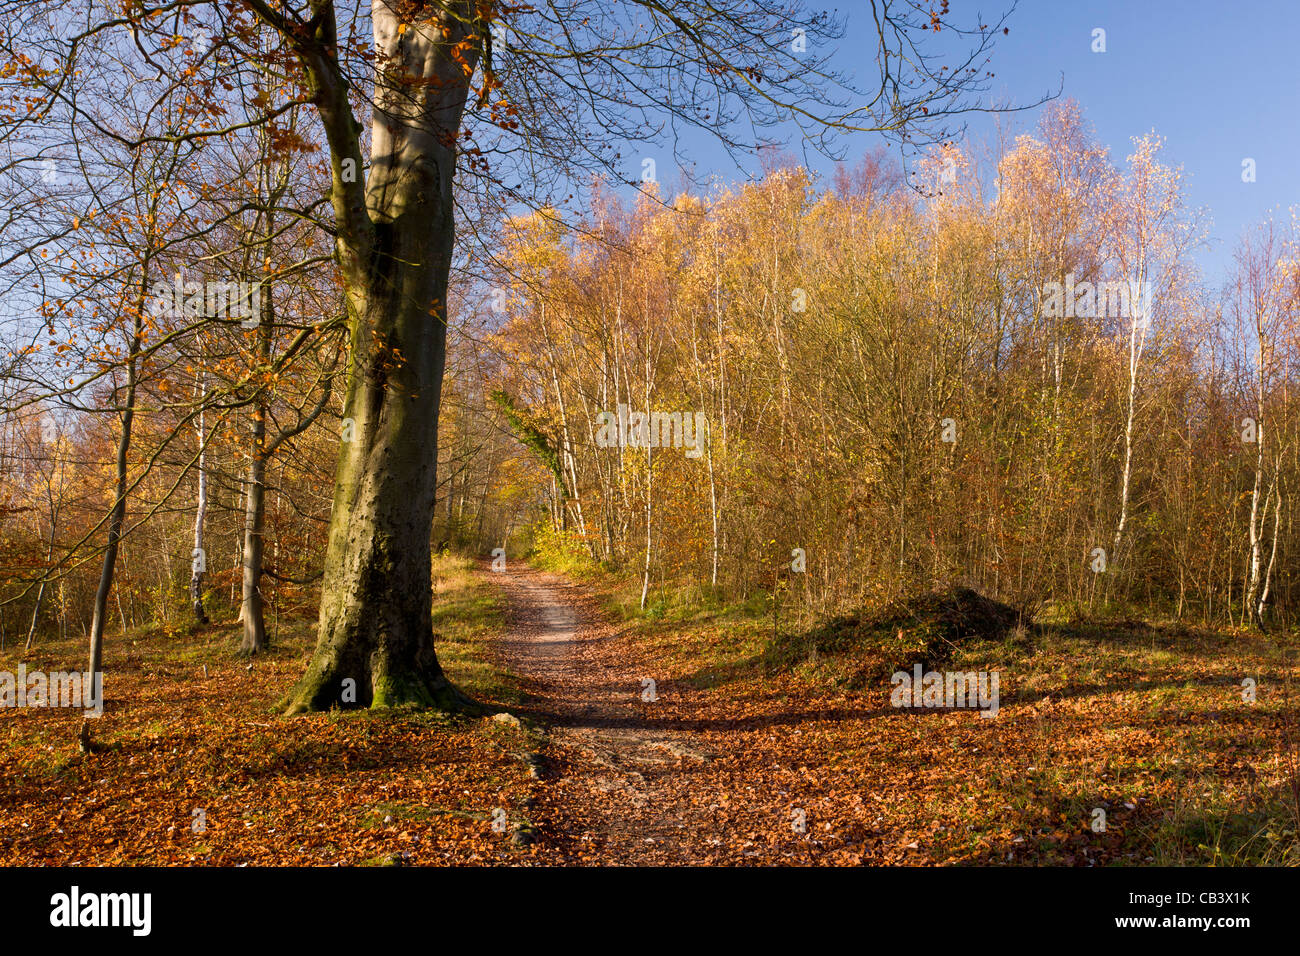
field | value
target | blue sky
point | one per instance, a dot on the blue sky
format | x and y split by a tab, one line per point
1220	81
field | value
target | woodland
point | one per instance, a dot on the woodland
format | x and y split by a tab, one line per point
352	356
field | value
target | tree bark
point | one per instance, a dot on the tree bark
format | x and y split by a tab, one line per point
1135	348
395	256
199	566
118	515
253	551
254	509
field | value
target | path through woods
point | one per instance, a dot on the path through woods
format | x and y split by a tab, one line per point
620	782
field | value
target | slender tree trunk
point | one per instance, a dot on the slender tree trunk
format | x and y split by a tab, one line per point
40	592
1272	560
253	551
117	517
254	511
649	487
567	463
239	559
1258	519
36	614
649	522
1136	344
1258	514
200	565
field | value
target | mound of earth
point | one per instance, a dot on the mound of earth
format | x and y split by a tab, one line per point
921	630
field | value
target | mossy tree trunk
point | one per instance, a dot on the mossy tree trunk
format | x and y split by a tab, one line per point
395	233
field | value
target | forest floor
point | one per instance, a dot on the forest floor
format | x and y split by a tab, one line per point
741	761
740	756
192	765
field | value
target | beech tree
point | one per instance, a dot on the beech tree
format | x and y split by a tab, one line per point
562	86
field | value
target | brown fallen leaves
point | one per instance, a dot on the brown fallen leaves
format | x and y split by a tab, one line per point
728	765
194	770
731	766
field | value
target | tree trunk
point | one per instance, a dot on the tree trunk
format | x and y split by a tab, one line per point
118	515
36	616
253	551
254	510
376	605
1136	345
1262	605
200	565
376	601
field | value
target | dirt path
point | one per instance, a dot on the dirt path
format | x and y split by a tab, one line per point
622	783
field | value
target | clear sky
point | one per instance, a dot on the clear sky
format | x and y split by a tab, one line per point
1219	80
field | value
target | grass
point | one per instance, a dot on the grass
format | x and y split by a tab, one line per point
467	613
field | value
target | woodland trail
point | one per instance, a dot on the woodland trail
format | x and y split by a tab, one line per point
620	783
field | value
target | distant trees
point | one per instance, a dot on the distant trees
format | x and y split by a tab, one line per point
1027	391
